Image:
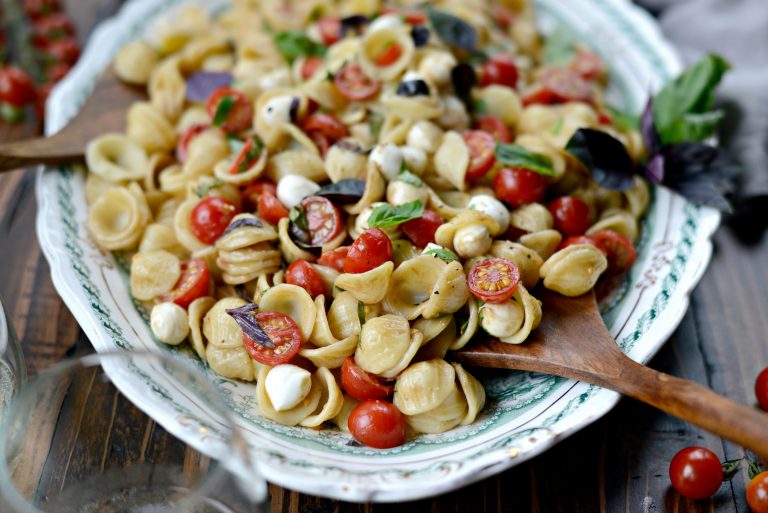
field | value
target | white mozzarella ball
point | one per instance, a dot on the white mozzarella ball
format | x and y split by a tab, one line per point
454	114
472	240
415	159
501	319
387	21
489	205
169	323
291	189
388	158
437	67
287	385
399	193
425	136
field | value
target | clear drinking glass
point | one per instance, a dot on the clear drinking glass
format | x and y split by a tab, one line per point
62	451
13	373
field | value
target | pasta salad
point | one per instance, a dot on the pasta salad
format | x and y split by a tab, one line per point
326	197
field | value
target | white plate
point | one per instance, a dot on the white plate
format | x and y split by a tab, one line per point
526	413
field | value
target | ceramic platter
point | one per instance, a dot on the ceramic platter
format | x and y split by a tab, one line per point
525	413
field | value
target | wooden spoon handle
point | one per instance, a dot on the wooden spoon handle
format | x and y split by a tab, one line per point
697	404
42	150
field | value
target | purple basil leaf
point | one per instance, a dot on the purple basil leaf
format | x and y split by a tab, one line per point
348	190
201	84
648	130
464	78
293	111
605	156
703	193
302	239
355	24
241	223
245	317
749	220
654	170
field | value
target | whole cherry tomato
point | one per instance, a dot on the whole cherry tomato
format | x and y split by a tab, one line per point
229	109
193	283
761	389
495	127
421	231
284	334
66	50
570	214
581	239
353	84
378	424
327	124
38	8
519	186
362	385
270	209
494	280
252	192
210	218
330	29
621	253
335	258
500	69
481	153
16	86
302	273
757	493
696	473
371	249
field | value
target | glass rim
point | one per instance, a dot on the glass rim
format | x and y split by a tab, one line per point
230	464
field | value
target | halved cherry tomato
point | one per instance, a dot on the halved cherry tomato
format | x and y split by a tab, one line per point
500	69
570	214
390	55
582	239
210	218
696	473
270	209
248	156
411	17
495	127
310	66
353	84
378	424
502	16
330	29
362	385
559	85
519	186
66	50
588	64
494	280
321	141
193	283
16	86
52	27
284	334
186	137
757	493
252	192
323	219
761	389
421	231
302	273
371	249
335	258
327	124
481	153
235	112
621	252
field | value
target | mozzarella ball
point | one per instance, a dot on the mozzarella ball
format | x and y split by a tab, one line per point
437	67
399	193
292	189
472	240
415	159
489	205
287	385
169	323
425	136
388	159
454	114
502	319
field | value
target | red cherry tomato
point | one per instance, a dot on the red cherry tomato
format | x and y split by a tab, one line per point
494	280
581	239
55	73
65	50
193	283
757	493
270	209
559	85
371	249
354	85
16	86
378	424
326	124
761	389
571	215
321	141
502	16
621	253
252	193
284	334
248	156
186	137
481	153
519	186
588	64
330	29
38	8
501	70
335	258
323	219
310	66
495	127
696	473
235	112
302	273
390	55
210	218
421	231
362	385
52	27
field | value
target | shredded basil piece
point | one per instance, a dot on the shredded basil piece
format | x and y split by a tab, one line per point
387	216
516	156
205	188
444	254
409	178
299	218
242	223
293	45
245	318
253	154
623	120
222	110
361	312
605	156
376	121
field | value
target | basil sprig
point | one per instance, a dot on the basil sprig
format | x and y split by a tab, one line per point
516	156
387	216
293	45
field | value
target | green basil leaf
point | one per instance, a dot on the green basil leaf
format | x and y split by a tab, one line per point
361	312
409	178
293	45
693	127
516	156
453	30
690	93
559	48
376	121
222	110
444	254
387	216
731	468
623	120
205	188
299	218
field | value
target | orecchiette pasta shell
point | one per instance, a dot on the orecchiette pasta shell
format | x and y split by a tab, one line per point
473	392
291	252
467	329
220	328
324	92
532	217
373	192
395	130
161	236
246	236
574	270
196	311
183	225
537	119
233	363
503	319
532	310
446	234
541	146
149	128
135	62
153	273
296	414
638	197
331	399
446	416
201	48
438	346
343	316
413	108
116	158
118	218
296	162
452	160
192	115
293	301
430	328
222	170
204	152
442	208
342	418
328	276
376	42
619	221
344	162
95	186
424	386
265	282
502	101
167	88
527	260
369	287
387	345
544	242
331	356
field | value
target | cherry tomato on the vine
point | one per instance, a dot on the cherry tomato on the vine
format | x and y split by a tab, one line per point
284	334
378	424
210	218
362	385
519	186
353	84
757	493
494	280
230	109
481	153
36	9
500	69
421	231
193	283
302	273
620	251
16	86
66	50
334	258
371	249
495	127
52	27
696	473
570	214
761	389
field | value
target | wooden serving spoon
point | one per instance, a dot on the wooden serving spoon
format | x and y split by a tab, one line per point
573	342
104	111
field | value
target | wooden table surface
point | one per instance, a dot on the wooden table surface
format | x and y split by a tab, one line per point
619	463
